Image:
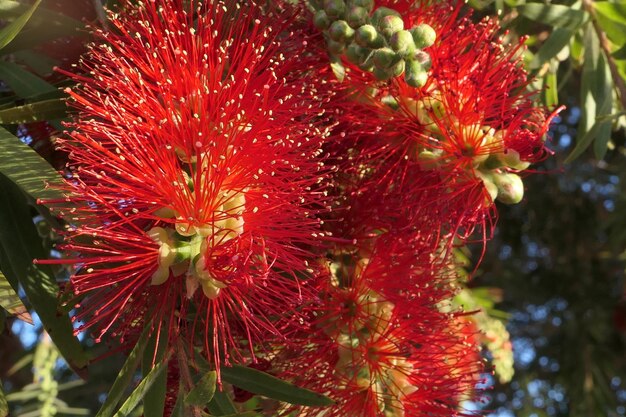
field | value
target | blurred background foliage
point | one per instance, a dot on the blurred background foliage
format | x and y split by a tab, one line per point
551	284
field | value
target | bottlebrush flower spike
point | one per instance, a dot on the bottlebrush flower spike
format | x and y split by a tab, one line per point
379	344
194	172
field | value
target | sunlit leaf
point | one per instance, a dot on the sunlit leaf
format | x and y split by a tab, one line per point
203	391
4	406
338	69
24	166
553	14
10	31
612	19
558	39
21	244
261	383
10	301
35	112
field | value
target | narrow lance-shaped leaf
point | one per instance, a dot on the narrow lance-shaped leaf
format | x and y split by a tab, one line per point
554	15
23	83
203	391
221	405
154	399
4	406
24	166
35	112
22	244
261	383
11	302
138	394
125	375
558	39
9	32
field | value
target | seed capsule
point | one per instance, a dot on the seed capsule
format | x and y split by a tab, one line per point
423	35
382	74
336	47
366	4
382	12
356	54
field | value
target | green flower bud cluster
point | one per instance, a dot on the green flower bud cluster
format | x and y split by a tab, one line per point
375	40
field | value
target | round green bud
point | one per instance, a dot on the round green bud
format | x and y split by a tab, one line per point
398	68
340	31
389	25
390	101
382	74
385	58
381	12
423	58
366	4
402	43
510	187
367	36
511	159
423	35
357	16
334	8
336	47
367	65
429	160
414	74
321	20
356	54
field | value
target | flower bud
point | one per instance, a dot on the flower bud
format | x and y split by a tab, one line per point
385	58
340	31
402	42
510	187
367	36
511	159
423	58
398	68
414	74
334	8
423	35
356	54
389	25
382	12
321	20
336	47
382	74
366	4
357	17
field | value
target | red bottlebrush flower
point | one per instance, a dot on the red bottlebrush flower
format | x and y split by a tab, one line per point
380	345
194	173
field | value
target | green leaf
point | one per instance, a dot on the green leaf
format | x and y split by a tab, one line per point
603	94
9	32
35	112
586	140
21	244
138	394
24	83
550	90
10	301
43	26
154	399
4	406
39	63
125	375
25	167
553	15
558	39
221	405
244	414
259	382
612	19
203	391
